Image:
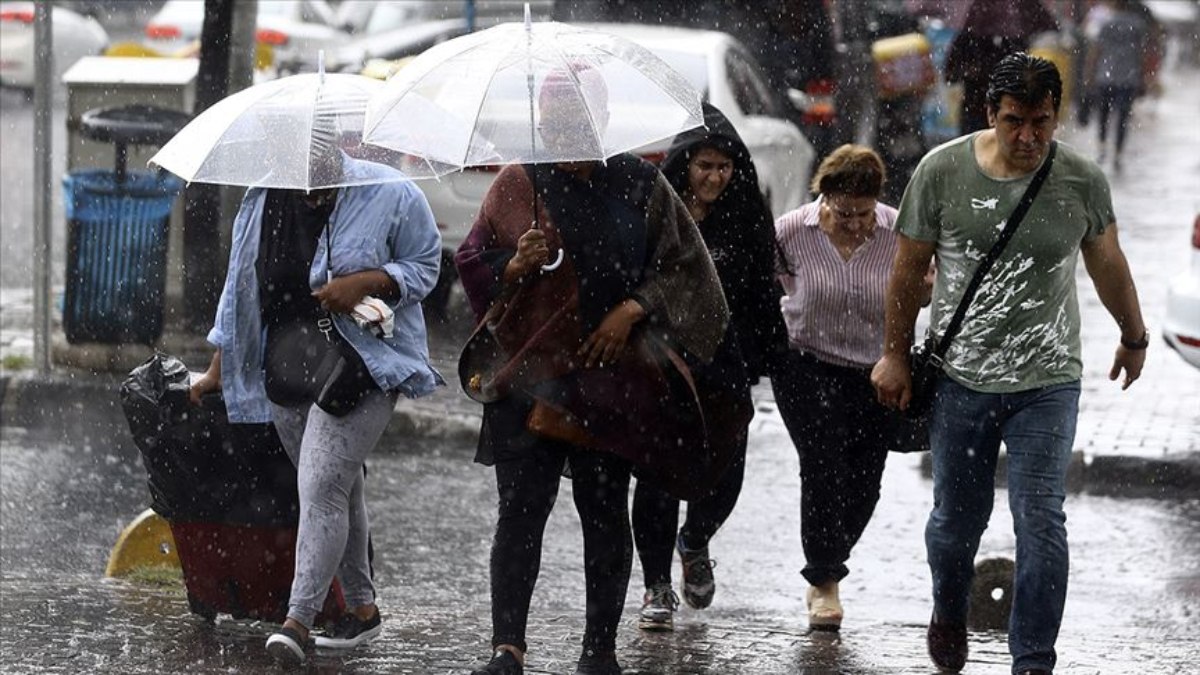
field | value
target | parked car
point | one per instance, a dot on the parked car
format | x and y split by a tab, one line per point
1181	325
295	29
74	36
720	68
394	30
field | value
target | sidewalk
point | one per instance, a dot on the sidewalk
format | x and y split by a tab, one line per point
1147	445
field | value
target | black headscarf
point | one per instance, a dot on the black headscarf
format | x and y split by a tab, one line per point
740	234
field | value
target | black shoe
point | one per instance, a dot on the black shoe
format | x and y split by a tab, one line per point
349	632
1036	671
698	582
947	642
503	663
287	647
598	663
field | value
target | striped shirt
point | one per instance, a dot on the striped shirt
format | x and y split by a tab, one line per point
833	308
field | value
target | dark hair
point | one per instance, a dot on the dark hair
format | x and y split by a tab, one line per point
1028	79
852	170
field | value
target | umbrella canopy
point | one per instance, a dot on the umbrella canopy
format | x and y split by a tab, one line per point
287	133
611	96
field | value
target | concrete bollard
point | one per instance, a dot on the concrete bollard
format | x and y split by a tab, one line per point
991	594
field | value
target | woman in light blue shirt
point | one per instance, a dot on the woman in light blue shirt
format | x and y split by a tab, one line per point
297	258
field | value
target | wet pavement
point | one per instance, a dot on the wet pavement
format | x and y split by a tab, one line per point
70	479
1132	605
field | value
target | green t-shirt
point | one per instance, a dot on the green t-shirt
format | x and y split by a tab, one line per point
1022	329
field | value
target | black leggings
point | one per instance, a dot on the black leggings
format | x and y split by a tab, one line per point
842	435
656	516
1120	101
527	488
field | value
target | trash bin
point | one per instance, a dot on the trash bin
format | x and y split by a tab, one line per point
117	232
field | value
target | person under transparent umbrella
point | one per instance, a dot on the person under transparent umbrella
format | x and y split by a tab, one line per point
632	258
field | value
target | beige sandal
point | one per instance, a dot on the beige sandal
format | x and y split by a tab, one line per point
824	607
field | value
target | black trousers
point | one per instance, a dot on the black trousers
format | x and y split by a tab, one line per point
527	486
842	435
656	517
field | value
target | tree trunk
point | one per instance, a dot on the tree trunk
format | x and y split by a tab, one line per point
203	257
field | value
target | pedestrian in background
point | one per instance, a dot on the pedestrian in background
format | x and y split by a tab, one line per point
1115	73
990	30
1012	372
299	258
633	258
711	170
838	251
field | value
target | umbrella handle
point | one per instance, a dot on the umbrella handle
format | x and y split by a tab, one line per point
554	265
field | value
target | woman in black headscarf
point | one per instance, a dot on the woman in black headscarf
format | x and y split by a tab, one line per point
710	168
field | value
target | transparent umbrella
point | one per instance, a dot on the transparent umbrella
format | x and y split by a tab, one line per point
610	96
288	133
491	79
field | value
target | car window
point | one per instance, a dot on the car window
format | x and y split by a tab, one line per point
693	67
749	86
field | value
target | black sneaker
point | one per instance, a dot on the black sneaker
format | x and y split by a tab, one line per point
503	663
698	583
349	632
287	647
658	608
598	663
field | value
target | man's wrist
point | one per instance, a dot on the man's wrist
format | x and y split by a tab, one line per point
1137	343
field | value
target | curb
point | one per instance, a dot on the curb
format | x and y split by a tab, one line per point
81	407
1116	475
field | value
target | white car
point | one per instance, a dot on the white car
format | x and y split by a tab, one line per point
74	36
1181	326
295	29
725	74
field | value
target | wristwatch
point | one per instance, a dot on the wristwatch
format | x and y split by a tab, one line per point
1137	344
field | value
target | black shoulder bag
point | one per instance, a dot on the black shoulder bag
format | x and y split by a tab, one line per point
928	357
308	361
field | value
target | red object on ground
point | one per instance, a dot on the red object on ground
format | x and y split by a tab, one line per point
243	570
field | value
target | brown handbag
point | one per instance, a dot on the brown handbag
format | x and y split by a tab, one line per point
557	424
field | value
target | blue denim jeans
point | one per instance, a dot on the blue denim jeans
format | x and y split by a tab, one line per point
1038	430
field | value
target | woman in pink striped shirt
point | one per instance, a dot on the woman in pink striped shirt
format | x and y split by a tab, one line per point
838	253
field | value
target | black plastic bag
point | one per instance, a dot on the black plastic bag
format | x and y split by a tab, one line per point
200	467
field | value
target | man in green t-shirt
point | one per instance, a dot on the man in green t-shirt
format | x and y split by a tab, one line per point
1012	371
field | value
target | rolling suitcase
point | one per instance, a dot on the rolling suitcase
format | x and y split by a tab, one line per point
228	492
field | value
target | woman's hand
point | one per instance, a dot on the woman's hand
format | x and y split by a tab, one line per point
207	383
533	251
341	294
608	341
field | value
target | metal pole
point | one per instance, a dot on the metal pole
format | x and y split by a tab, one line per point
43	97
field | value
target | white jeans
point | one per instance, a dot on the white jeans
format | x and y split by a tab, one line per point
328	453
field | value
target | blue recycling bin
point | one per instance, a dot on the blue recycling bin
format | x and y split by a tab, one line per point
116	254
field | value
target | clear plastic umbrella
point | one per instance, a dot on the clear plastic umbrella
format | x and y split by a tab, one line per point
610	96
625	97
287	133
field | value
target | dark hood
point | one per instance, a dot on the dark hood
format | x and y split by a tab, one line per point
717	133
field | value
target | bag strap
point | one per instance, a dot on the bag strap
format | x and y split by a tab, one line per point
1010	228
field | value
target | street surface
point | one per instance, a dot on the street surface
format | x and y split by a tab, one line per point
1132	605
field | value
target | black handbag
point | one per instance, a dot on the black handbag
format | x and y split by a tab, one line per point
927	358
308	361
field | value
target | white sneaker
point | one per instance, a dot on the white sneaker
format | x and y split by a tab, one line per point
286	647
